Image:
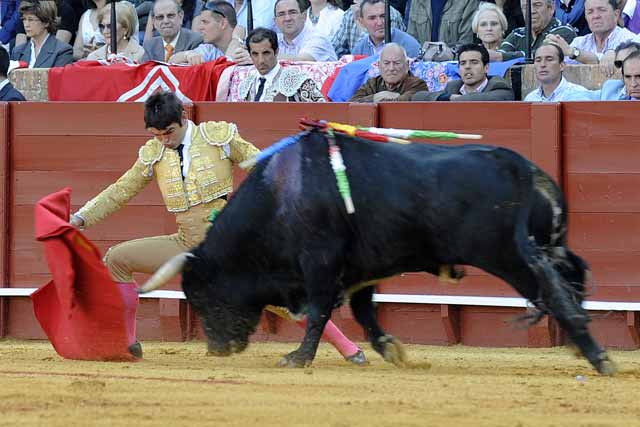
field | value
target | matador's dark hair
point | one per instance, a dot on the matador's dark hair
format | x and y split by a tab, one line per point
162	109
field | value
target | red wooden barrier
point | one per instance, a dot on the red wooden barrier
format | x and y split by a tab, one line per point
4	223
602	176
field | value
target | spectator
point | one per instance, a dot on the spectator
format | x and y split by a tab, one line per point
126	37
612	90
602	17
630	15
297	41
571	13
372	15
67	24
553	87
447	21
9	21
489	24
543	23
217	24
351	29
631	76
394	83
325	16
167	19
270	81
7	91
88	37
475	85
262	13
42	50
512	12
190	8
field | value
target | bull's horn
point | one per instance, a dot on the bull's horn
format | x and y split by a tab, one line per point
166	272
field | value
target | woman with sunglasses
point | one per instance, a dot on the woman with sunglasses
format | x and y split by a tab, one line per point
126	33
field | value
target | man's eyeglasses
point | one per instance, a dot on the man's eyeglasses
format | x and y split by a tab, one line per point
288	12
211	7
169	16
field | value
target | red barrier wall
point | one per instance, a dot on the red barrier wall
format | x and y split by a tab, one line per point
602	177
4	224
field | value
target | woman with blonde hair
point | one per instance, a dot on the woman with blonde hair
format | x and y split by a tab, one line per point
489	24
126	32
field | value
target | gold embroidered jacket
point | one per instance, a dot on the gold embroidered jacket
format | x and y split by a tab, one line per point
214	147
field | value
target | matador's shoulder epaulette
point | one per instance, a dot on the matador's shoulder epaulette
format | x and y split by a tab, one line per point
218	133
150	153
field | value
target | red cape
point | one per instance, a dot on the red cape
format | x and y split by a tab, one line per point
84	313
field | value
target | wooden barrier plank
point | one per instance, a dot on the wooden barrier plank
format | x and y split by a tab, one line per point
5	201
604	192
605	231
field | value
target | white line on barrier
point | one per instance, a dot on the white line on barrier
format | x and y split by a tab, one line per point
399	298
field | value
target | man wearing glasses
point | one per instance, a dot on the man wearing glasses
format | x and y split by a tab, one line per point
221	35
167	20
612	90
298	42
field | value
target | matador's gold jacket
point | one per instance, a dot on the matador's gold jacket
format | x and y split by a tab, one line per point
214	147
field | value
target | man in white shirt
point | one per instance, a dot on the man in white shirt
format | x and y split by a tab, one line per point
549	64
598	46
298	42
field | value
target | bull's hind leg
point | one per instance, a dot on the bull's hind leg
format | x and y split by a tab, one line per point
533	275
389	347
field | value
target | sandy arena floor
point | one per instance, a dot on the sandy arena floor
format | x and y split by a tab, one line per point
177	384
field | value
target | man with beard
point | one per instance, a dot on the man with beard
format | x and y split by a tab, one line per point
475	85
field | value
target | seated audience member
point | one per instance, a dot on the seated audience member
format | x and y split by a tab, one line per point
612	90
126	37
602	17
475	85
394	83
631	76
571	13
190	8
217	24
630	17
447	21
297	41
88	37
553	87
512	11
7	91
42	50
67	24
270	81
489	24
543	23
167	19
9	21
325	16
372	15
351	29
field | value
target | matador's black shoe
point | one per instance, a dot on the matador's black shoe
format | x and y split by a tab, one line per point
358	358
136	349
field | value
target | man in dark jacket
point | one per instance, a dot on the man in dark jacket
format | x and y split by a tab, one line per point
474	84
7	91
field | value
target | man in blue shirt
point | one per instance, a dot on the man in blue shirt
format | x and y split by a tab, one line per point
373	18
549	64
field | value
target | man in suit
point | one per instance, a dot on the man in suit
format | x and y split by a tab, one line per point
167	20
7	91
474	84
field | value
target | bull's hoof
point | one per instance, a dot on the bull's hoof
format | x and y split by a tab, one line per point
393	351
294	360
358	359
607	367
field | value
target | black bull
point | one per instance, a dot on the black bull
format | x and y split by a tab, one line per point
285	239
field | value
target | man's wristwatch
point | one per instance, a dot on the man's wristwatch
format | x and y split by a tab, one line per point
575	53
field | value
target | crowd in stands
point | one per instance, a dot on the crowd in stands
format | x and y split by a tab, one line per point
54	33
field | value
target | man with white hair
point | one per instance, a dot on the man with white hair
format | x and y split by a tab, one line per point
394	83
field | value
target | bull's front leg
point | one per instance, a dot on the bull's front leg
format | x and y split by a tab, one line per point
317	318
388	346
